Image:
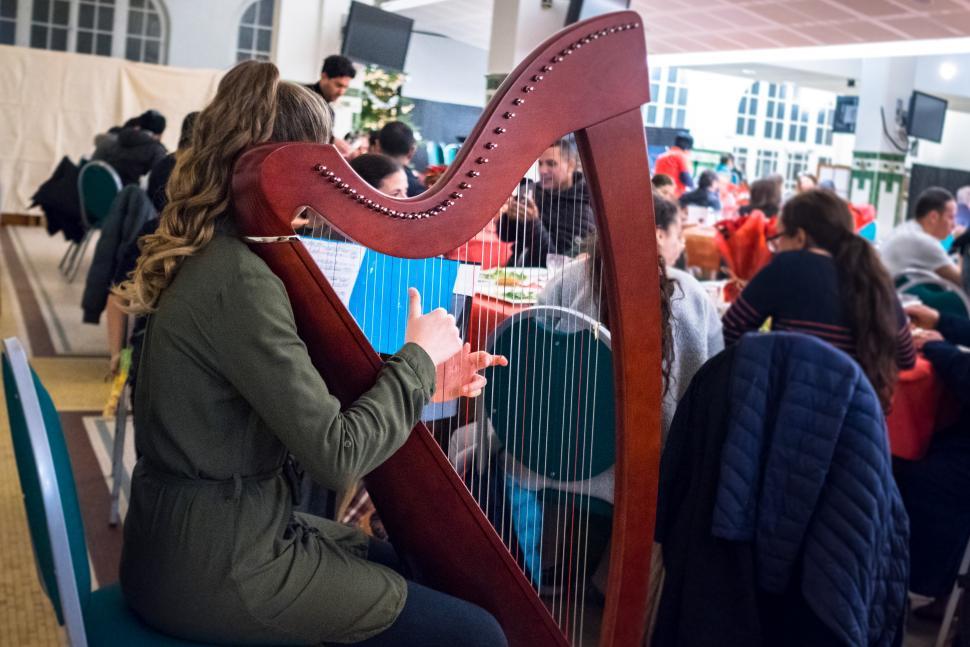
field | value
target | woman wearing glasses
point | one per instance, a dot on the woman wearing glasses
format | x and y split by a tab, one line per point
828	282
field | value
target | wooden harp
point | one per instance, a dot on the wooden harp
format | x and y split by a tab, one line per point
589	79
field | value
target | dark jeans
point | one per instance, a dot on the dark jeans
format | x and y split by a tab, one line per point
433	619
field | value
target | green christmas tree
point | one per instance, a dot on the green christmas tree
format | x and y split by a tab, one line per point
382	100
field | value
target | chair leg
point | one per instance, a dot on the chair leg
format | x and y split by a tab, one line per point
118	454
951	603
71	247
79	258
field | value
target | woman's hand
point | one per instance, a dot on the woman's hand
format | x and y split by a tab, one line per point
435	332
923	337
923	316
459	375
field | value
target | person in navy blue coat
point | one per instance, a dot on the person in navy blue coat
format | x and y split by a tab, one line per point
936	488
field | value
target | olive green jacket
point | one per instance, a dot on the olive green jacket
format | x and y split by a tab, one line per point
212	549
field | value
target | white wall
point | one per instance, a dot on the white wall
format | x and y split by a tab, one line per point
204	34
441	69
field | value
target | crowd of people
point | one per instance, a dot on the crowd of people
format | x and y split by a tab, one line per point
221	364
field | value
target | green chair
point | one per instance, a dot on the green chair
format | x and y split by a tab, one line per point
435	156
98	184
934	291
553	411
98	617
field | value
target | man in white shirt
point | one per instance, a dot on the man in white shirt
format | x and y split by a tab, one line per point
915	244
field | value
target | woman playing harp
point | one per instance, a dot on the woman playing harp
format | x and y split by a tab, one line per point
212	550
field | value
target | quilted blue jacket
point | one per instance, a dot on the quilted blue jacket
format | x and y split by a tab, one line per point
806	475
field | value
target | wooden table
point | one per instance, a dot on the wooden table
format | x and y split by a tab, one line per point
701	249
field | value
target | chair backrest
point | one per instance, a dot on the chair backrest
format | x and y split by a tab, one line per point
97	184
50	496
933	290
534	432
450	152
435	156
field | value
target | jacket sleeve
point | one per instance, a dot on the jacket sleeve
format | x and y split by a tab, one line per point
253	334
102	270
953	367
955	330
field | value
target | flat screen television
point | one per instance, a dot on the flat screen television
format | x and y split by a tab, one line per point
377	37
926	116
846	113
583	9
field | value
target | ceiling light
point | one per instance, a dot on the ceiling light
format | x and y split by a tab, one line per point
947	71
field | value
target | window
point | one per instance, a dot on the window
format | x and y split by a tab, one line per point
145	40
767	163
256	32
748	110
8	22
95	25
823	134
49	24
797	164
741	160
777	109
668	98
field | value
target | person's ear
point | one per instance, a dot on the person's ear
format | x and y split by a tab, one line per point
801	238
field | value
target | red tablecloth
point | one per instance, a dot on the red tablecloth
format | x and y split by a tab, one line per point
486	314
921	406
486	249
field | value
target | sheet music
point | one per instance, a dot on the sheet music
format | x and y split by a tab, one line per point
340	262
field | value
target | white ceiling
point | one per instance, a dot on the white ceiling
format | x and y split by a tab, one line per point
679	26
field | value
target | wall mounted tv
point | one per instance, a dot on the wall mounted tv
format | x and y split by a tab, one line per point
926	116
846	113
378	37
583	9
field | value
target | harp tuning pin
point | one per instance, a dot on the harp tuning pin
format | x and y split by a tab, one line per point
457	196
329	173
612	30
518	101
448	203
336	180
491	146
464	185
537	77
361	199
473	173
567	51
368	202
529	88
319	168
500	131
547	68
509	115
482	160
636	25
342	185
558	59
385	210
352	191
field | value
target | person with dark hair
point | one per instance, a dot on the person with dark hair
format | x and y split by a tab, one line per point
136	148
158	177
335	77
935	487
676	163
828	282
765	197
382	172
555	216
915	244
663	186
728	171
396	140
706	194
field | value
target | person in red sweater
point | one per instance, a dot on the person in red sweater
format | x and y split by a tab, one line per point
676	163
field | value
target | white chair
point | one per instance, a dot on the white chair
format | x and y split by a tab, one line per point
959	590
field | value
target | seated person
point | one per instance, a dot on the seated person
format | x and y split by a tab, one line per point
727	171
963	207
664	187
915	244
706	194
694	332
935	487
556	216
828	282
103	142
383	173
213	551
675	164
396	140
137	148
765	196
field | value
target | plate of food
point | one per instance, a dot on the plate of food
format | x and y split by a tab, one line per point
518	285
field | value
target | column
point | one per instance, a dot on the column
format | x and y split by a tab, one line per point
878	166
517	27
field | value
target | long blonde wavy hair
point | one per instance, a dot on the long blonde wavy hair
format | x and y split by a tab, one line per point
252	106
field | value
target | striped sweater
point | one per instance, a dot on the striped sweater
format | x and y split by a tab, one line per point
799	291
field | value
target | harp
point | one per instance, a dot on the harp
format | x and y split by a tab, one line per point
589	79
